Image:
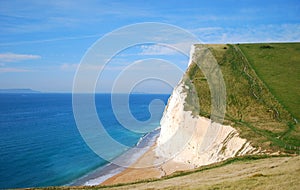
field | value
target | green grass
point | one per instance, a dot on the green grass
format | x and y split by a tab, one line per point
279	68
251	106
242	159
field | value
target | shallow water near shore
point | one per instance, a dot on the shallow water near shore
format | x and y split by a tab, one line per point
41	145
129	157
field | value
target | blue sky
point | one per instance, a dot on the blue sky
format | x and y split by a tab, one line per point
43	42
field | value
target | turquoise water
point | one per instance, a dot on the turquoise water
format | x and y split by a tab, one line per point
41	145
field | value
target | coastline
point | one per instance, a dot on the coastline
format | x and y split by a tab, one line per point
152	165
130	157
131	173
147	167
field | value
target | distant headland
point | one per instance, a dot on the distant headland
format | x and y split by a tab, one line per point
19	90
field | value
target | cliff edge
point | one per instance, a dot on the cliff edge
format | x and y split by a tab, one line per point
192	139
193	135
248	119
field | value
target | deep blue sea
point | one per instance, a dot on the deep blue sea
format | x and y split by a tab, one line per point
40	144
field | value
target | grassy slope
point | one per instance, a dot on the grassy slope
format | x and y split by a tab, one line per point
249	172
278	65
250	106
268	173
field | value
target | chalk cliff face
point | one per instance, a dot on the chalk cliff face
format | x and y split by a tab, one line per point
195	140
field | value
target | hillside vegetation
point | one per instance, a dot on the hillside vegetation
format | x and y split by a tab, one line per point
247	173
251	107
278	65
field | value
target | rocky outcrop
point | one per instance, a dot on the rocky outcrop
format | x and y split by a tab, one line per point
193	139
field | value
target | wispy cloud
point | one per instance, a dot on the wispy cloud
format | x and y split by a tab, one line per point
13	57
169	49
69	67
12	70
259	33
51	40
38	16
156	50
206	29
85	67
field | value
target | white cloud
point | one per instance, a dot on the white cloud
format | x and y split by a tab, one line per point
68	67
13	70
157	50
259	33
83	67
205	29
51	40
168	49
12	57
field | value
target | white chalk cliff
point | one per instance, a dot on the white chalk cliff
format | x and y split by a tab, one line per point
189	138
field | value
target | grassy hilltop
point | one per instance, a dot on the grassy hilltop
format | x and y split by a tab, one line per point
262	92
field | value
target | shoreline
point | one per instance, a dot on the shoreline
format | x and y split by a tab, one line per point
153	165
147	167
132	174
129	157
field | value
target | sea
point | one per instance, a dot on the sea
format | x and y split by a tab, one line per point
40	144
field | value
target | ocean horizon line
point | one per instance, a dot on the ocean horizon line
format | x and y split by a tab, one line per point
118	93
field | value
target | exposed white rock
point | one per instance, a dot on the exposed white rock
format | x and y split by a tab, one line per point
191	54
196	140
177	125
